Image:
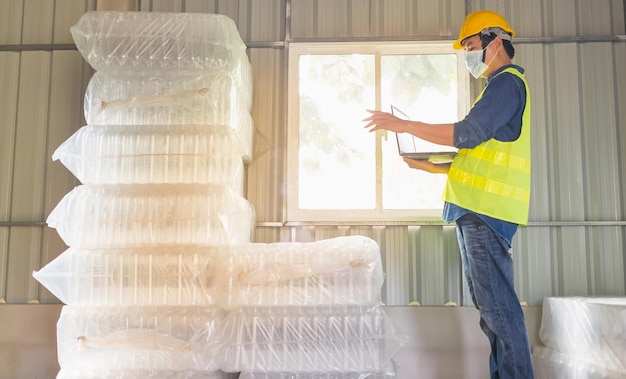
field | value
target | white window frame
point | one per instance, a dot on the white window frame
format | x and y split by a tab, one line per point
295	215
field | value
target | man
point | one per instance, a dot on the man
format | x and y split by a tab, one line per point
487	191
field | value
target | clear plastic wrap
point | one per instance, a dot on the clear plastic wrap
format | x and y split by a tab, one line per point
140	374
118	97
131	215
336	271
172	275
587	329
157	40
138	338
308	339
124	154
550	364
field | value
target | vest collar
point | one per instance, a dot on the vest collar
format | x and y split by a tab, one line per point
498	71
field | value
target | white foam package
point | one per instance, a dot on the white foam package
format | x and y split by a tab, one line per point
138	338
124	154
123	215
140	374
308	339
551	364
157	40
170	275
336	271
587	329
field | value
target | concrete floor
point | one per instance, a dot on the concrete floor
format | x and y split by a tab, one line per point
444	342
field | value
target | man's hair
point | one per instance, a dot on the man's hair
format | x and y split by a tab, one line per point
489	35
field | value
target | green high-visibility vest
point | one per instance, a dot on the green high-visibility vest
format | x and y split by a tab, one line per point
493	178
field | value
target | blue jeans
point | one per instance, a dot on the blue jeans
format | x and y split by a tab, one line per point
488	267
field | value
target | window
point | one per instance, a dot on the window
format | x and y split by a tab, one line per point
337	170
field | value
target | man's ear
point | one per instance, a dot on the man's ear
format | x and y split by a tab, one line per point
498	41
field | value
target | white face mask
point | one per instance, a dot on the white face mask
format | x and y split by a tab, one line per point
475	64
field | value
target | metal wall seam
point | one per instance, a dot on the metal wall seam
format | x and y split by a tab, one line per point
282	44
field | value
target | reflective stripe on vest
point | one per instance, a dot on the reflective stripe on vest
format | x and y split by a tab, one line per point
493	178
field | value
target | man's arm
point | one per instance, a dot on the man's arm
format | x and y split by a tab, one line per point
441	134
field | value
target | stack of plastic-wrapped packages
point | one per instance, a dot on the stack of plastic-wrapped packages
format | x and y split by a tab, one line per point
160	279
306	311
161	163
584	337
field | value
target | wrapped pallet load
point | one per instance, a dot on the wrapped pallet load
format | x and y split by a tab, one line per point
162	278
162	166
582	337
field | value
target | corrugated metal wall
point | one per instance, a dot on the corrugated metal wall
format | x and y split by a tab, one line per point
575	67
42	81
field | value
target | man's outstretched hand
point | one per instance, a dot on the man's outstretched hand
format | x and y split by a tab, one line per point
385	121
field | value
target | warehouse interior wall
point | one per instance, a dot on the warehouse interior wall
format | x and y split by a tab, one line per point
574	53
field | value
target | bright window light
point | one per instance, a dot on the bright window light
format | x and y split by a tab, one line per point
339	171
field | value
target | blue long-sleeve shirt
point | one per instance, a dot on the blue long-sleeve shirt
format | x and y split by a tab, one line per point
498	114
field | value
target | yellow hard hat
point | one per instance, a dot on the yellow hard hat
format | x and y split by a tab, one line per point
477	21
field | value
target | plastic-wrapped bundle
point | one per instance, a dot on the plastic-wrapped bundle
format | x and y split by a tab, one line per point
308	339
550	364
110	154
587	329
388	373
121	96
335	271
138	338
140	374
342	270
116	97
159	40
172	275
130	215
